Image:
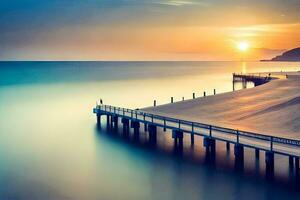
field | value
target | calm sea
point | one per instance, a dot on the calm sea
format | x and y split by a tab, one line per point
51	149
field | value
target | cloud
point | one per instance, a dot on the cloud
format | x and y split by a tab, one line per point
182	3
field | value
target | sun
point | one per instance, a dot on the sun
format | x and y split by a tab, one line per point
243	46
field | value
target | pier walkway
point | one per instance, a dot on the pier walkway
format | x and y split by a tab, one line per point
181	128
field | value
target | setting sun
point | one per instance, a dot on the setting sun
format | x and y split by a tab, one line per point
243	46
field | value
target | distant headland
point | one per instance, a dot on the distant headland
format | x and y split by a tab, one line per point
292	55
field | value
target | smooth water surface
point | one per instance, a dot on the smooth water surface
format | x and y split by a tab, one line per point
50	147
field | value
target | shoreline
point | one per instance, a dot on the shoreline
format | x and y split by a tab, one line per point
271	108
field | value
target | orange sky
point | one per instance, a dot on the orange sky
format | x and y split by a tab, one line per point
149	30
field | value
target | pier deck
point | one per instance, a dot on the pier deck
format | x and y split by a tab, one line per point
271	145
186	118
278	145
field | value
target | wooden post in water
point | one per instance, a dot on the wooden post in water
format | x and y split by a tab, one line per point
257	153
291	162
172	100
228	146
98	120
215	92
108	121
152	133
269	160
204	94
182	98
194	95
154	103
297	166
192	135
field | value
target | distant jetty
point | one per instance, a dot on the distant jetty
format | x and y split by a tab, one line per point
271	108
288	56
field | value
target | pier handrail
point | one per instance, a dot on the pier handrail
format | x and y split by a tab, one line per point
191	126
255	76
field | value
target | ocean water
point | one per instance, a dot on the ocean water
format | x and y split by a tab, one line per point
50	147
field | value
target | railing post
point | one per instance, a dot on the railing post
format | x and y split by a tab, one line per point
131	114
210	130
165	124
123	111
115	110
152	118
237	136
144	116
179	124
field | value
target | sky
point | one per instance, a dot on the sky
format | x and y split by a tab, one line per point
147	29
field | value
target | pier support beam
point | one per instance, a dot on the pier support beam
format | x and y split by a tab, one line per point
125	123
136	129
108	121
239	156
297	166
269	159
291	162
192	139
178	138
115	122
228	146
98	120
152	129
257	153
209	144
239	151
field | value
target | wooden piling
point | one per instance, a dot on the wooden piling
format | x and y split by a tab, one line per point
178	137
152	133
228	146
291	162
269	160
108	121
257	153
98	120
192	139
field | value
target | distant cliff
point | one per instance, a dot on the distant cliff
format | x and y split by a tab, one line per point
291	55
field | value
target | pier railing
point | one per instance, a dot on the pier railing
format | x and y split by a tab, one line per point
252	77
279	145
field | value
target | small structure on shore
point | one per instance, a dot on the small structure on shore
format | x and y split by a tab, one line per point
255	79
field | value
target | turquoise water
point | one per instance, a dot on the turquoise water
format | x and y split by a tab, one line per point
51	149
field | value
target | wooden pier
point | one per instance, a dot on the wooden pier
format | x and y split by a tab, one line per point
181	128
255	79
